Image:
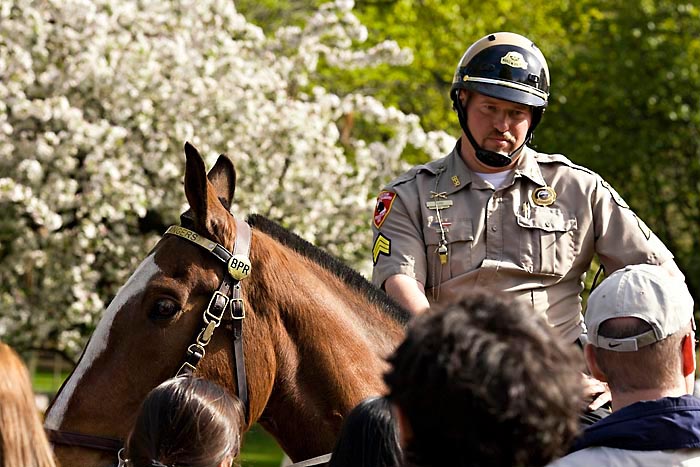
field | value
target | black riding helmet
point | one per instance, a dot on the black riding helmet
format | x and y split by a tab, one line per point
505	66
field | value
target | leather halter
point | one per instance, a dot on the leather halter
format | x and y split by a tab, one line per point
228	294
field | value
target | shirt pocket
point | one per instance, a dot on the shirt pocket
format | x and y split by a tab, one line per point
547	244
460	238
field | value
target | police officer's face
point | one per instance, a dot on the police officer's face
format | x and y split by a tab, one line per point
497	125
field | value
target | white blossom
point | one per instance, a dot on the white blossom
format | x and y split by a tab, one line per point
97	98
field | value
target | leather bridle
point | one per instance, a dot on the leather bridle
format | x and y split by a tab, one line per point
227	295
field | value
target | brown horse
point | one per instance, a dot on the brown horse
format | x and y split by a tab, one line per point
315	333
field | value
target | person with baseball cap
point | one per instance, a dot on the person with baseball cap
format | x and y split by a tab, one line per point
641	334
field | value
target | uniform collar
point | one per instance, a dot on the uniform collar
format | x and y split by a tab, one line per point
452	173
528	167
455	175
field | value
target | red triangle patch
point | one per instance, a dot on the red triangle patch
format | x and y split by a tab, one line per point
383	206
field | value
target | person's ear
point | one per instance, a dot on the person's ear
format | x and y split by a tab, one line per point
463	97
688	353
405	431
592	363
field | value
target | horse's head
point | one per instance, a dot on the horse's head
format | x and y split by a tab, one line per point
315	332
144	336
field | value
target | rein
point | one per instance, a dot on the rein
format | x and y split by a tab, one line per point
320	460
228	294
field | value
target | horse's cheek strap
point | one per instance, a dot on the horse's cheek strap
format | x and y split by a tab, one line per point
242	246
241	380
68	438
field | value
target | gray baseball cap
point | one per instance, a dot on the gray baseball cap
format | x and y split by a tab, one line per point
641	291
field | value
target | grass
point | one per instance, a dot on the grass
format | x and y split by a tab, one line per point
260	449
47	383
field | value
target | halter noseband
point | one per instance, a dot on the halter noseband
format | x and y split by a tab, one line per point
228	294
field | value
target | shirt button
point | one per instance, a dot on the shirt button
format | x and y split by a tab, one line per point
494	228
548	224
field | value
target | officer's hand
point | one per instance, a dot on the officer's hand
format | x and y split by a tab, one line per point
595	392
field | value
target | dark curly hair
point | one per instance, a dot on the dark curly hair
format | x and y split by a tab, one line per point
483	382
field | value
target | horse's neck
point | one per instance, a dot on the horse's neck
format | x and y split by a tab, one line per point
330	349
313	302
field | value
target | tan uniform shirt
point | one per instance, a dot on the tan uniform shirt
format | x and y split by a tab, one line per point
534	238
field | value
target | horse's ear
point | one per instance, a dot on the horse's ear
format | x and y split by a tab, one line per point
223	177
206	208
195	180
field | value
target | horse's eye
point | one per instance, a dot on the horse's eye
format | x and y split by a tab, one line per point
163	308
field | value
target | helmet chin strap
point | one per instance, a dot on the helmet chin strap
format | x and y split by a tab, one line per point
490	158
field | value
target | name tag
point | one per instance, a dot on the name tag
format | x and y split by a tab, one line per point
439	204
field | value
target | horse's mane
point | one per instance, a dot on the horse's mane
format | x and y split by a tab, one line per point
348	275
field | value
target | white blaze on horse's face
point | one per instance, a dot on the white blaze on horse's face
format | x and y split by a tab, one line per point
98	342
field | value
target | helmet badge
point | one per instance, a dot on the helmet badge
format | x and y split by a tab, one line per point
514	60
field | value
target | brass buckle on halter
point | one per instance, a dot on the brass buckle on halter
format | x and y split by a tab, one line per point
236	303
123	461
195	352
205	334
214	316
186	369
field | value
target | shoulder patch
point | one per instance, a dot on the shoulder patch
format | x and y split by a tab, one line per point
385	200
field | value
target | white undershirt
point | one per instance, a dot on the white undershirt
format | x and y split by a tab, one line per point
496	179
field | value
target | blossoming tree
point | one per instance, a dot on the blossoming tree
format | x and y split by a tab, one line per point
97	98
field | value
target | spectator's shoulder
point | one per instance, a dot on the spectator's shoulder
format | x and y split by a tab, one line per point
596	455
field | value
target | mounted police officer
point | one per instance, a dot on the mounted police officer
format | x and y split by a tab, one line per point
497	214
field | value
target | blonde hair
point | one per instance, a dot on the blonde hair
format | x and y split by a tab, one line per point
23	442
